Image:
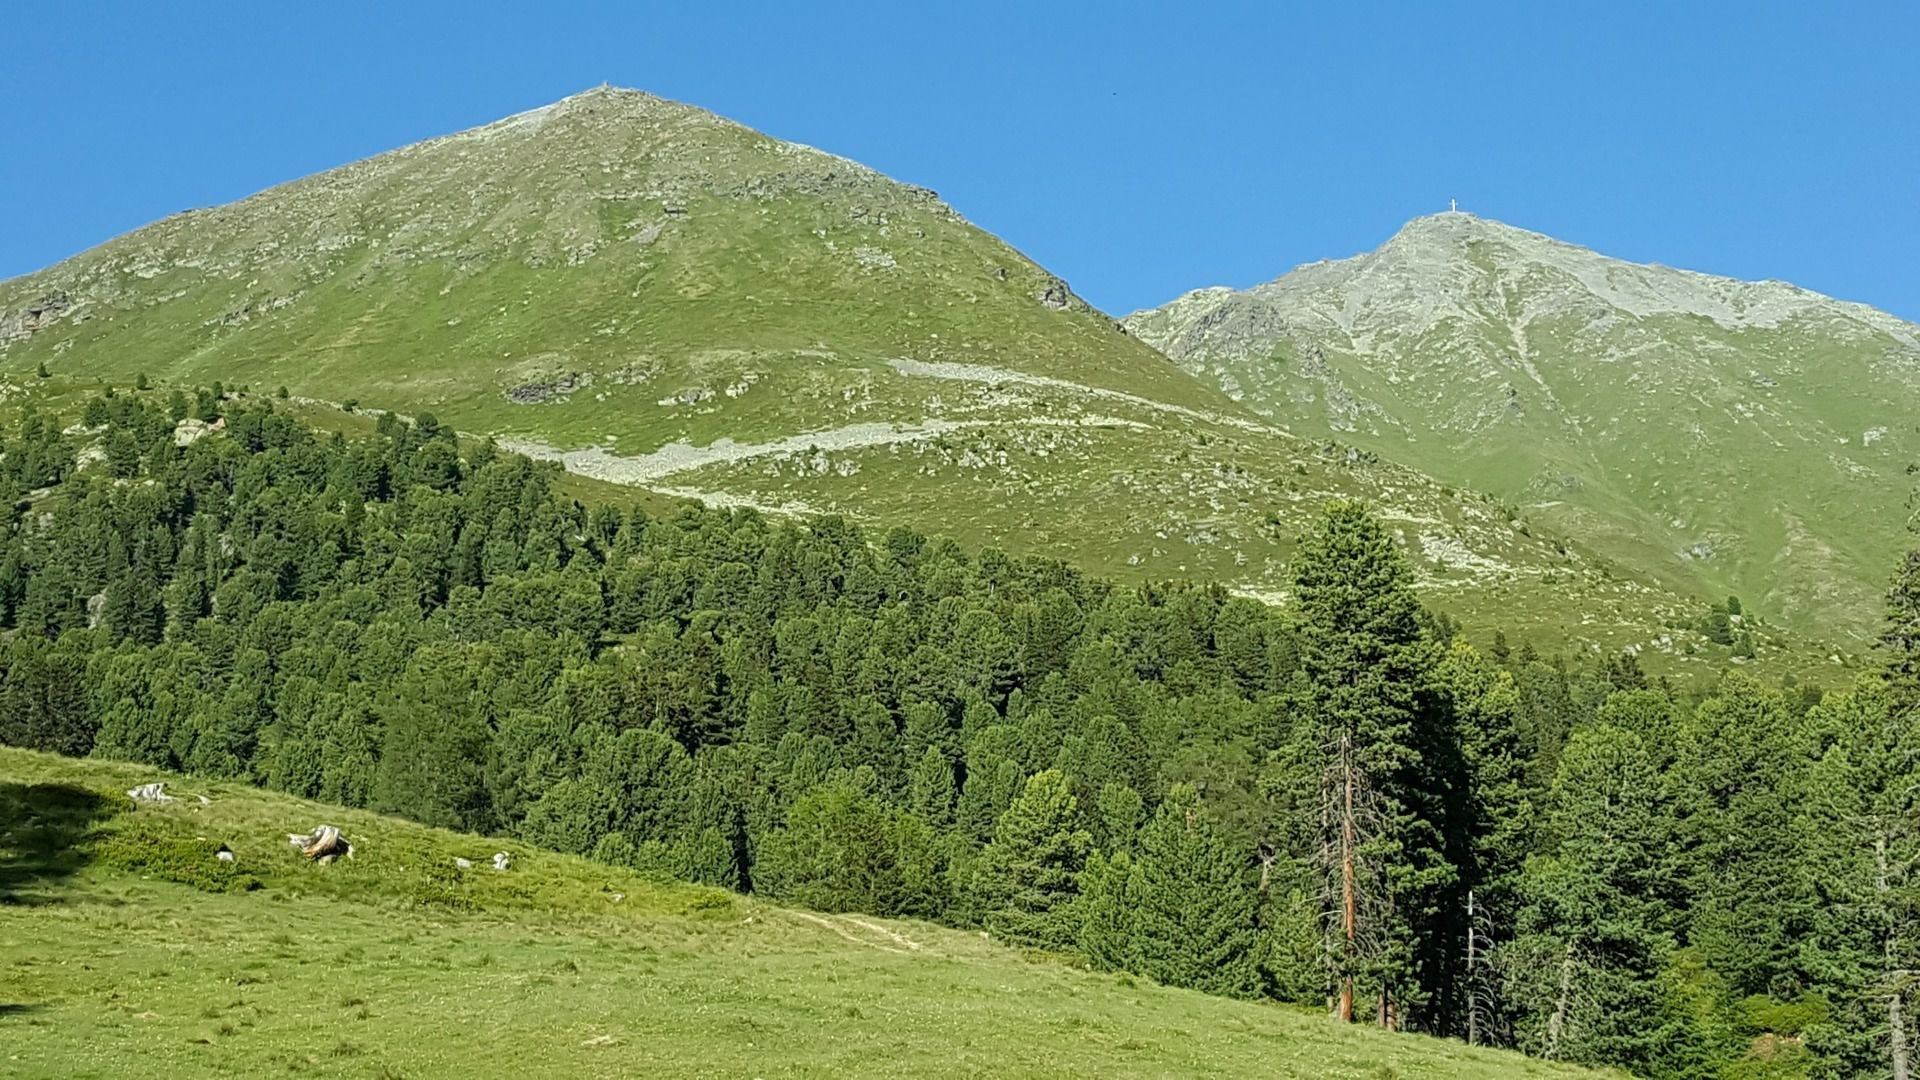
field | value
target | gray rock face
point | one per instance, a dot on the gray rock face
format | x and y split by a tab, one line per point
557	388
36	316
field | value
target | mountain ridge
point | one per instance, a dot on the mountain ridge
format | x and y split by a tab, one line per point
653	295
1419	233
1620	398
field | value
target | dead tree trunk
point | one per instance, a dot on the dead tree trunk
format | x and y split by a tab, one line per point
1897	1050
1473	987
1897	1034
1349	872
1562	1006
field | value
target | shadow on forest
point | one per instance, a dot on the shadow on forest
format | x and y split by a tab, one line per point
43	834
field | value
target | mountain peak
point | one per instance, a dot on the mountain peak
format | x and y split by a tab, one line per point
607	109
1447	265
1461	225
1626	396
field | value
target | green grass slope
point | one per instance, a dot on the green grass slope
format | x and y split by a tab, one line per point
664	300
127	947
1719	436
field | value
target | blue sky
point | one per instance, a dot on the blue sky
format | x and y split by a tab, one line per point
1138	150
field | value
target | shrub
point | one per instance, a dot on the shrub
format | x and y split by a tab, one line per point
151	850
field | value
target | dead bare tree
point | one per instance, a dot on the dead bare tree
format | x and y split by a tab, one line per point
1356	900
1897	980
1480	974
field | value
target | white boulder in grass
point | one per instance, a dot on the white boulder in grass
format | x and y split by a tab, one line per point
322	845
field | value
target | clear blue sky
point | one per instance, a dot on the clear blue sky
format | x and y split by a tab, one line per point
1136	150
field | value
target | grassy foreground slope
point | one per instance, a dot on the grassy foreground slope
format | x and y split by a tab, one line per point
665	300
125	946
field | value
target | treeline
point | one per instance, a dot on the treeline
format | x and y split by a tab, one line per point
1340	804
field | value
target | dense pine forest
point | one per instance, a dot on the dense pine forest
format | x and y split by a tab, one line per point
1339	803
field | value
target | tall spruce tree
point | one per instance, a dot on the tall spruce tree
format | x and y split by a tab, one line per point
1901	637
1739	774
1362	714
1859	828
1492	827
1593	930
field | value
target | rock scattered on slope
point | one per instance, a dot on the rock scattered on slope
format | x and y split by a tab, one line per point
556	388
152	794
322	845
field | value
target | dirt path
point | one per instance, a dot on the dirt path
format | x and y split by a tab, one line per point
993	376
903	944
644	470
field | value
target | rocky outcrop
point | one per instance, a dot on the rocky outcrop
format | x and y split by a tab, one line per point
1055	295
555	388
36	316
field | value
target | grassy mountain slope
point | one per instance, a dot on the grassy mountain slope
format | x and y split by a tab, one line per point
660	298
1722	436
128	945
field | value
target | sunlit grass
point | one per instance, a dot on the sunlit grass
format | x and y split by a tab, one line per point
396	963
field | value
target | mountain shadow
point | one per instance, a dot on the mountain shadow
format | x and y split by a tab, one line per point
44	829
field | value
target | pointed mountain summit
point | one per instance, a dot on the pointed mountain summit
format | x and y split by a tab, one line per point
610	222
1728	436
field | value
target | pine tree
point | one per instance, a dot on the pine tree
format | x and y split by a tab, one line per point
930	794
1737	778
1026	881
837	852
1364	665
992	784
1498	812
432	763
1593	931
1492	822
1860	829
1117	813
1901	636
1861	826
1109	891
1193	905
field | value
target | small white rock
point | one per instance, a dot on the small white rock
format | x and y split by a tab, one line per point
155	792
